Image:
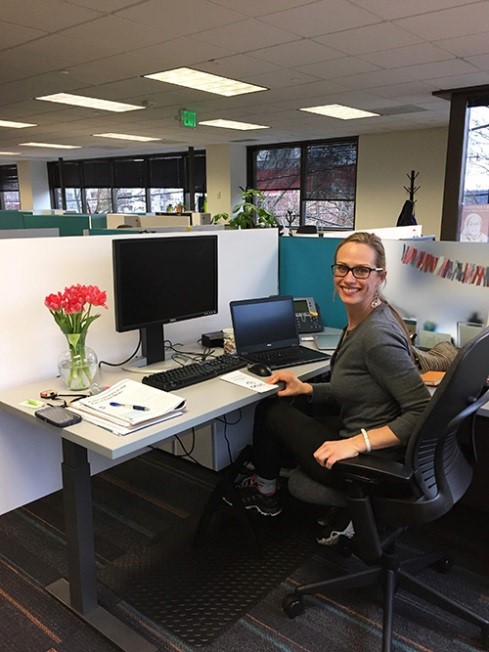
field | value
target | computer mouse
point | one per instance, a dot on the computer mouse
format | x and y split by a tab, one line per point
259	369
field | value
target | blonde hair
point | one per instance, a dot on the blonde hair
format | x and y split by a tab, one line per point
375	243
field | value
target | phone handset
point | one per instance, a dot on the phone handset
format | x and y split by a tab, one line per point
307	315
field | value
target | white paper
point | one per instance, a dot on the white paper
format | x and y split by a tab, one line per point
250	382
115	404
117	429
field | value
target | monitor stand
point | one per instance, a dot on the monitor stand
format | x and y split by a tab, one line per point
153	348
140	366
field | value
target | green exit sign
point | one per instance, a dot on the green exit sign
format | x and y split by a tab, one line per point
187	118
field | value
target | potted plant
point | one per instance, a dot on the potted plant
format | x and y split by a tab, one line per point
246	214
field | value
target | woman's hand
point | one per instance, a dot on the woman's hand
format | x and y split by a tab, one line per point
293	386
334	451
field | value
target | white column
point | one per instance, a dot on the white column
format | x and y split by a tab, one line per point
33	185
226	172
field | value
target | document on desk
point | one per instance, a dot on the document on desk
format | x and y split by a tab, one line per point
250	382
129	405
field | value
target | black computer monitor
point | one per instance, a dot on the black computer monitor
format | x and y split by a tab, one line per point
163	280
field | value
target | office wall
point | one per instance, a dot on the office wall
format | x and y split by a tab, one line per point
226	172
384	161
31	341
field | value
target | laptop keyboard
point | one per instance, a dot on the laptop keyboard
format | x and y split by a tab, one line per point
279	358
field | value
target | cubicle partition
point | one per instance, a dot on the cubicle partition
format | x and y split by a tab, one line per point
31	341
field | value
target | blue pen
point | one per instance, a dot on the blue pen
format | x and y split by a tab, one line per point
133	407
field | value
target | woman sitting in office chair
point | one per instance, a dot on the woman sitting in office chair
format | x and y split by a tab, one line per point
372	402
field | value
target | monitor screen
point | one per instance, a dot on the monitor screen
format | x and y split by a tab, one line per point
162	280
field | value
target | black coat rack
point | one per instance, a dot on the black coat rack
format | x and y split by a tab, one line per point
412	189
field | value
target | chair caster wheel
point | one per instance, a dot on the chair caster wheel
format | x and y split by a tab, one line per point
443	565
293	605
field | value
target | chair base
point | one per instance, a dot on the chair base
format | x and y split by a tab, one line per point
392	574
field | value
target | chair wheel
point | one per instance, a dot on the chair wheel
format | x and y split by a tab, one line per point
443	565
293	605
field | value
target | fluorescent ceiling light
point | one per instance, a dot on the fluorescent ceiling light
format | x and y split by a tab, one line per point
204	81
9	153
142	139
340	111
232	124
89	102
15	125
51	145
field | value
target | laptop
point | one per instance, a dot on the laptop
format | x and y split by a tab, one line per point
265	331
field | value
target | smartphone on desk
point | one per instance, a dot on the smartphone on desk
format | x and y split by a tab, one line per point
58	416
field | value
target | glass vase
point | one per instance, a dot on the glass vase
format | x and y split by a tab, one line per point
78	364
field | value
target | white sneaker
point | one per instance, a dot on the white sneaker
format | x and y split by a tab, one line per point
331	538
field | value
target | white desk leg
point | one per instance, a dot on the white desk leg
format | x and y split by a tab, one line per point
80	594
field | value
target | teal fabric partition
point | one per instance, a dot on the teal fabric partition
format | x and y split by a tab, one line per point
11	220
98	221
304	271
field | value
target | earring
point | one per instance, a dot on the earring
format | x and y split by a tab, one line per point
334	294
375	300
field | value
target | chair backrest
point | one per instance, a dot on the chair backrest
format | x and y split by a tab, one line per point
442	472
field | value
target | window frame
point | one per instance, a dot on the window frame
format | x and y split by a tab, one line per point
303	147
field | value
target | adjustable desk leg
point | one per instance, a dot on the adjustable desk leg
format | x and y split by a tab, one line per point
77	497
80	594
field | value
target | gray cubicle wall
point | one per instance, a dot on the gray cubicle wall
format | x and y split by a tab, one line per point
430	297
29	233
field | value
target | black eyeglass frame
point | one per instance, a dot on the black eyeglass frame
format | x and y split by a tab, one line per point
334	269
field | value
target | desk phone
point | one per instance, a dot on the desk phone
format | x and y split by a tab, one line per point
307	315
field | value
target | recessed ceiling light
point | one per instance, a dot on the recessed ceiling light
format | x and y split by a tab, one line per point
9	153
142	139
340	111
89	102
50	145
15	125
232	124
204	81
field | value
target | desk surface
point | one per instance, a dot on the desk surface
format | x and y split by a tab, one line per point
205	402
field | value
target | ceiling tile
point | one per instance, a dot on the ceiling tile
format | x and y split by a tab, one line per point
48	15
245	36
371	38
457	21
321	17
298	53
408	56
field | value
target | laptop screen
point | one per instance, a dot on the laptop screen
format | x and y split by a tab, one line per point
264	324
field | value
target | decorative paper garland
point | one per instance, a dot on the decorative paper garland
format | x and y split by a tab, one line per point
453	270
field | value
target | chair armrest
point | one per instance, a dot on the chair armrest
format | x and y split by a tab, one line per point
372	469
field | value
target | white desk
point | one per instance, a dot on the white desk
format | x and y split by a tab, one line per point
205	402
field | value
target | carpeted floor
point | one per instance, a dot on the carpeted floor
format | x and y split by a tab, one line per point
218	597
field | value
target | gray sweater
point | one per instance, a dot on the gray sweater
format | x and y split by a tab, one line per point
374	380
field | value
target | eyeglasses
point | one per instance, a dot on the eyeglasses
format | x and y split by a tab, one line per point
360	271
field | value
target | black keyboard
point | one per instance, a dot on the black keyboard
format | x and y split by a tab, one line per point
193	373
288	357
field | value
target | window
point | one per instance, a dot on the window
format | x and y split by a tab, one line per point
465	215
308	183
9	188
128	185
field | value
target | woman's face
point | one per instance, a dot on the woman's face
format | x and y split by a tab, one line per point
354	291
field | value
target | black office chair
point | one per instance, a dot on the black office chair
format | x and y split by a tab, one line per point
385	497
